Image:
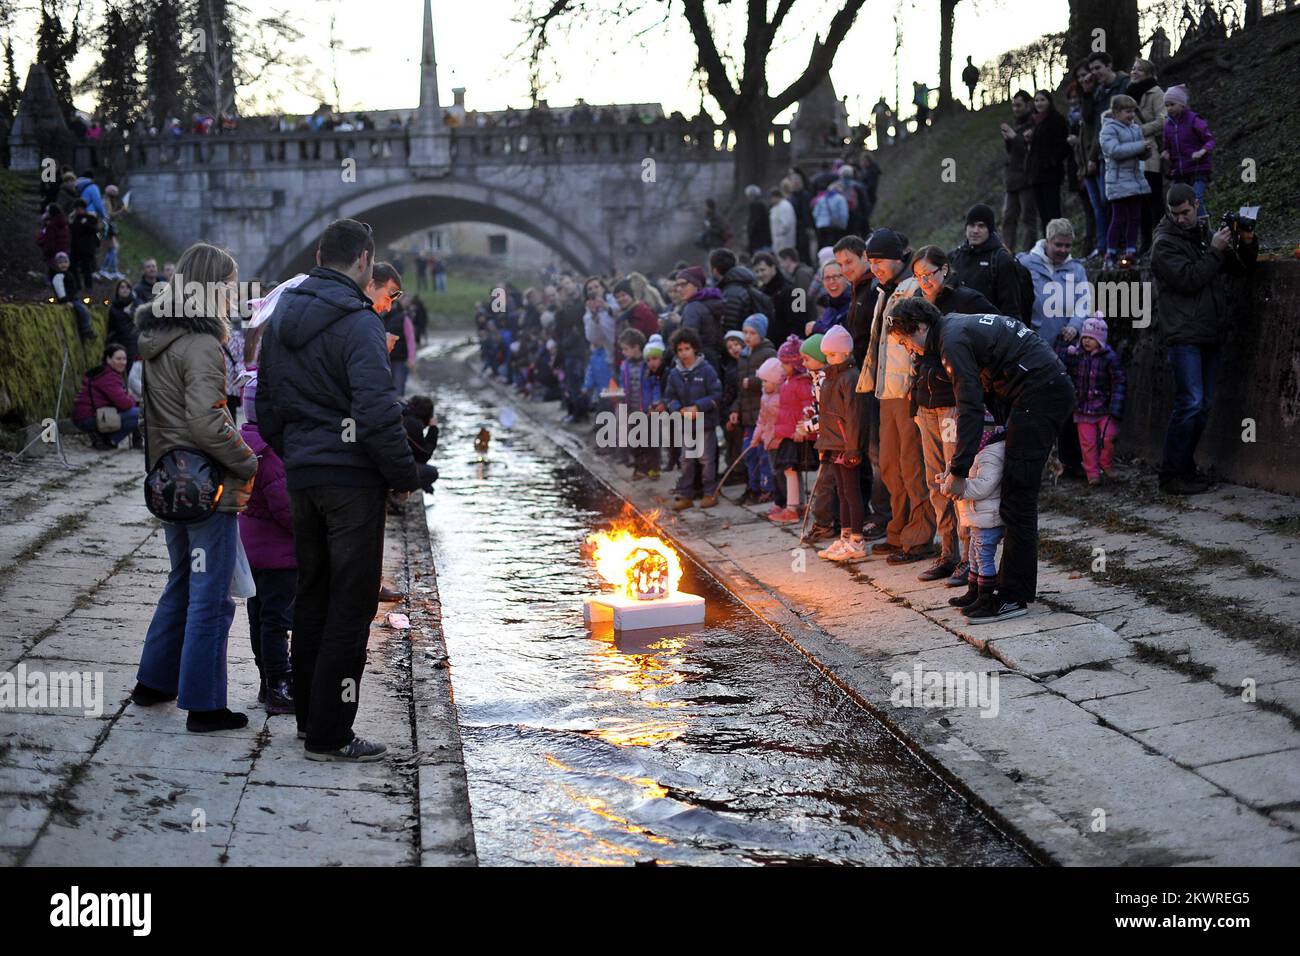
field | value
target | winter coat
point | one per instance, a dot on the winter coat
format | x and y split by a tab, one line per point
860	314
888	369
1062	290
768	412
830	210
841	412
266	526
1098	379
101	388
121	326
749	395
741	298
1124	146
1191	303
333	414
143	290
185	398
786	321
782	219
602	328
633	377
989	269
1014	173
980	504
1151	115
422	438
703	313
1045	160
834	311
759	228
84	229
599	372
698	385
1185	135
987	353
932	388
87	190
54	238
796	399
640	317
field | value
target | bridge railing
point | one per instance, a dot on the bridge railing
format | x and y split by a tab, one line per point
584	143
264	150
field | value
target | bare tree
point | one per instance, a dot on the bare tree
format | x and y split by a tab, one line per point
1117	21
739	89
947	17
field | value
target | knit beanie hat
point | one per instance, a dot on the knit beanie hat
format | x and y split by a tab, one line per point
734	334
837	339
1178	94
982	212
694	275
886	244
757	322
788	353
654	346
1095	328
824	255
812	347
771	371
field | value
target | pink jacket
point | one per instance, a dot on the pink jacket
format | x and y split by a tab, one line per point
101	389
796	400
769	409
266	524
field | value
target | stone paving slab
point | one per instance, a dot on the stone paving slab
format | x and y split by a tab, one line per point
131	786
1114	731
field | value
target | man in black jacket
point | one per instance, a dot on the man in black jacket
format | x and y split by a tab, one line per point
1192	313
1001	355
328	407
984	264
741	296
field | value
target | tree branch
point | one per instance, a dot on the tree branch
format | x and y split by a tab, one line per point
819	62
715	72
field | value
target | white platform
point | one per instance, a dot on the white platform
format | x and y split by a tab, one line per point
629	615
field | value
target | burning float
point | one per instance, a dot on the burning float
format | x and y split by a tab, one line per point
644	572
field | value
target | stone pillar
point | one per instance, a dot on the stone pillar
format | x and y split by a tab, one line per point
430	139
39	130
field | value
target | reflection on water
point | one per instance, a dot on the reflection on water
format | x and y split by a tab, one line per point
717	744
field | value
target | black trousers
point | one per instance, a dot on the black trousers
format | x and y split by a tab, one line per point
1033	425
270	619
1047	197
339	541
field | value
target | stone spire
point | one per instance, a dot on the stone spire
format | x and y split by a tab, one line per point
430	141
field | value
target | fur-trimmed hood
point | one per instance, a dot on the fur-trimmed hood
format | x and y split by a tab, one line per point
159	331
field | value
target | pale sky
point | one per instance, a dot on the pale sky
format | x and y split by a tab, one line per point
476	40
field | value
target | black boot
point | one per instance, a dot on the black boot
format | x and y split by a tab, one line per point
966	600
206	721
279	695
146	696
984	597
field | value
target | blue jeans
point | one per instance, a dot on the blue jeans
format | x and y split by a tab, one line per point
757	465
1096	187
185	646
400	373
983	555
130	421
1195	368
706	466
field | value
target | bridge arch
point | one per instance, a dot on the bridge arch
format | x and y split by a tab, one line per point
397	209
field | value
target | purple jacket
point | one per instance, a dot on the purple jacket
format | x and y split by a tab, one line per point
1098	379
266	524
1184	136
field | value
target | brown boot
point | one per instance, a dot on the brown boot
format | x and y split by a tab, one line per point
681	504
708	501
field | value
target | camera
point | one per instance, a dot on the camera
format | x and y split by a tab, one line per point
1242	221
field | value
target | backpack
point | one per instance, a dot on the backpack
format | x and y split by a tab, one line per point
1025	282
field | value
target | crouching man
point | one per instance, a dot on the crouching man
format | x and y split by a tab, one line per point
999	355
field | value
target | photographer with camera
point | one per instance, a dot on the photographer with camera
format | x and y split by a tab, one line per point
1188	264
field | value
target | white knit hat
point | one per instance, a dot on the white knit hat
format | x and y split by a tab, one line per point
837	339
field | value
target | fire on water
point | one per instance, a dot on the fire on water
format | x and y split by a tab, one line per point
640	567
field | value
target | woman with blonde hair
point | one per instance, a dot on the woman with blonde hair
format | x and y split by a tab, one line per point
181	337
644	291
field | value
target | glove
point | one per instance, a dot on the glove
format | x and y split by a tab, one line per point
428	475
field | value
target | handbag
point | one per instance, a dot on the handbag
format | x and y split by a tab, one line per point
184	485
107	418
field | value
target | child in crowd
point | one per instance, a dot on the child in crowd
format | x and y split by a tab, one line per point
695	390
1099	388
421	427
634	377
745	408
978	510
1188	145
794	404
266	531
734	343
840	440
656	386
763	442
599	373
825	512
1125	147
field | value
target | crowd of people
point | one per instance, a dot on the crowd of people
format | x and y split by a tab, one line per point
902	403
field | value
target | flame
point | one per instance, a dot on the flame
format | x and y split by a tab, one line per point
636	565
